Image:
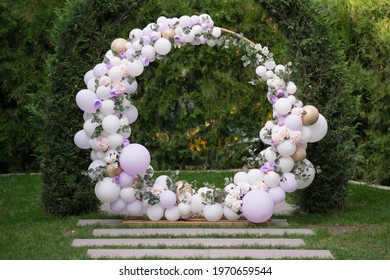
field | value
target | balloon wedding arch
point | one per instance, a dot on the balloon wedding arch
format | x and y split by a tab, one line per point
121	170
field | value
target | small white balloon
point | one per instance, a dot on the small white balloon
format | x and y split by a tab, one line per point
135	68
291	88
89	127
115	73
282	106
286	148
103	92
255	176
279	69
148	51
240	177
261	70
184	208
270	154
265	136
286	164
81	140
172	214
271	179
107	107
230	214
128	194
106	190
115	140
163	46
111	124
270	64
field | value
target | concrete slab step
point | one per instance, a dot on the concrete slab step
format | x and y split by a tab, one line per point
208	242
209	253
87	222
197	231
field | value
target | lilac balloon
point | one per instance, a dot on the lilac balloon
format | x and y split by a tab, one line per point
288	182
134	159
277	194
88	76
135	208
167	199
131	114
118	205
293	122
100	69
258	206
125	180
81	140
130	88
86	100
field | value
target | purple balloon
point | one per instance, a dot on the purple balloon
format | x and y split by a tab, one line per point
135	208
125	180
167	199
293	122
288	182
118	205
257	206
134	159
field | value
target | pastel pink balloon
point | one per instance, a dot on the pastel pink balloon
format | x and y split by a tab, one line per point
258	206
134	159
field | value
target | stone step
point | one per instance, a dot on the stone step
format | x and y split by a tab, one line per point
209	253
197	231
112	222
210	242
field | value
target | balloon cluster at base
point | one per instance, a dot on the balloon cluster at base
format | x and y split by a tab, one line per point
121	169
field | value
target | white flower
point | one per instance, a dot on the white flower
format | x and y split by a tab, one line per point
229	187
124	121
236	206
265	51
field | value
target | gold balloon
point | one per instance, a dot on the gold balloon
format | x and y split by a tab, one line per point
299	155
310	115
168	33
119	45
113	171
182	186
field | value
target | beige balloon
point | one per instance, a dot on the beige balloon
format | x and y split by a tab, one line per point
299	155
119	45
168	33
112	171
310	115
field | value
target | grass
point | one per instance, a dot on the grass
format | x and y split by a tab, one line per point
361	231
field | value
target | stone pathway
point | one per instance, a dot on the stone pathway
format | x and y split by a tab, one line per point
204	243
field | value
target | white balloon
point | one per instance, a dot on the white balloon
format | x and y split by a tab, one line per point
87	116
106	190
271	179
81	140
131	114
148	51
291	88
261	70
255	176
103	92
95	164
213	212
128	194
240	177
155	212
279	68
270	64
162	181
107	107
100	70
89	75
184	208
305	134
282	106
89	127
230	214
318	129
115	74
262	134
114	140
162	46
111	124
308	173
216	32
270	154
135	68
136	45
196	204
286	164
286	148
172	214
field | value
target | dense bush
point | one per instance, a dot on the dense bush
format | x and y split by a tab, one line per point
320	56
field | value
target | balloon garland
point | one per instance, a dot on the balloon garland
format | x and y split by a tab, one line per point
122	170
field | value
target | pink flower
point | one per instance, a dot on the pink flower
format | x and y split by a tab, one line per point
297	111
105	81
119	87
102	144
260	186
125	72
295	136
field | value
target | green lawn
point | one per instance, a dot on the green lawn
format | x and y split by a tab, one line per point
362	231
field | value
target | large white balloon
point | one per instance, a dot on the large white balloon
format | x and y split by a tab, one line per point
286	148
111	124
307	176
81	140
240	177
162	46
318	129
282	106
107	190
271	179
213	212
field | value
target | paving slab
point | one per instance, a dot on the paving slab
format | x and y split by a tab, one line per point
209	242
107	222
197	231
209	253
